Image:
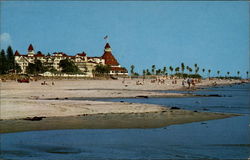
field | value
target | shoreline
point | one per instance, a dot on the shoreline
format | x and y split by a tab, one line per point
20	101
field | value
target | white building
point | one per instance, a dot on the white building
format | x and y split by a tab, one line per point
84	63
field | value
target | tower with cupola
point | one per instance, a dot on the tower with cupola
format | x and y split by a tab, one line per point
31	51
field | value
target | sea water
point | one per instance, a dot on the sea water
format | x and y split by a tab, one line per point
227	138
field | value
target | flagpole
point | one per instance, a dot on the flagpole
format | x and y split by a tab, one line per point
106	38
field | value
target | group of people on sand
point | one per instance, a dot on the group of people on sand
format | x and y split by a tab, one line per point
158	80
45	83
190	82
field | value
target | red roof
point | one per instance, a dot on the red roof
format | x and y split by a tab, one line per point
119	69
30	48
93	57
17	53
109	58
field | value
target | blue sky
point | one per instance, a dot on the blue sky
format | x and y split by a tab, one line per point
215	35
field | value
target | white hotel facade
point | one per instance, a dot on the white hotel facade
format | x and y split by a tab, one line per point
82	61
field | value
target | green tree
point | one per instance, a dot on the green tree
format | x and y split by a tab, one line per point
238	72
158	71
190	70
52	70
3	62
247	73
144	72
153	69
17	68
177	69
228	73
171	69
132	69
35	68
10	58
136	74
164	70
102	69
31	69
209	71
39	66
182	67
195	65
218	72
197	70
68	67
203	70
148	72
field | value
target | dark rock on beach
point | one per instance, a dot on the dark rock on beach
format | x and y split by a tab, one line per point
34	118
174	108
141	96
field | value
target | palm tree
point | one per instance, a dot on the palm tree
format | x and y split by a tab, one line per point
153	69
132	69
144	72
247	73
197	70
218	72
164	70
209	71
158	71
182	67
190	70
238	73
228	73
171	69
195	65
203	70
177	69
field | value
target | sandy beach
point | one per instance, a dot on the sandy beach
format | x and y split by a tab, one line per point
22	100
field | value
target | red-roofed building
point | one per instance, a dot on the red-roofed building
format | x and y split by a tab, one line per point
31	51
110	60
84	63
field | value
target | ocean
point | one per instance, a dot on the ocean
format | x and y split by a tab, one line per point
215	139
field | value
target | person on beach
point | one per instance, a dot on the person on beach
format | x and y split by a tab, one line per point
188	82
193	82
183	83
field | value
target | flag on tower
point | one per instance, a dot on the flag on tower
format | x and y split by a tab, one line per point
106	37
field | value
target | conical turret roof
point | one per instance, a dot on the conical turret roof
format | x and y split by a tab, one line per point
108	56
30	48
17	53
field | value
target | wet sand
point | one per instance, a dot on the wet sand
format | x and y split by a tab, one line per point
111	120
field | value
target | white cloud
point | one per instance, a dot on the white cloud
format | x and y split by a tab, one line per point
5	40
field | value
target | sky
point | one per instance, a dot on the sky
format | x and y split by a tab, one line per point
215	35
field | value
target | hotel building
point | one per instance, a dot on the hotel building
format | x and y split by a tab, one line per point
82	61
